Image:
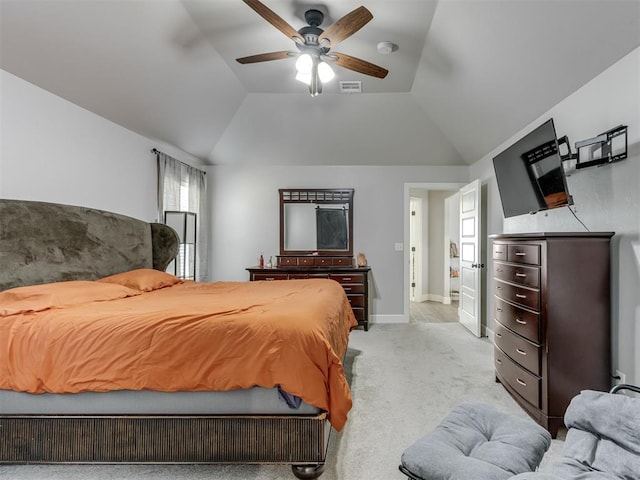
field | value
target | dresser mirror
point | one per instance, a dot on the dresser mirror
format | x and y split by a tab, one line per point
316	222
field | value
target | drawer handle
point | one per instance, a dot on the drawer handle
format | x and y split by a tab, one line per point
499	251
521	322
498	309
499	335
519	295
524	384
522	275
521	254
498	288
346	279
499	270
521	352
347	289
498	361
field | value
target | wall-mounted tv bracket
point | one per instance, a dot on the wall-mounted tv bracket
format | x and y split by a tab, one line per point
608	147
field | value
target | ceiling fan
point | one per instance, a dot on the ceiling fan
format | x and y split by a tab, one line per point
314	45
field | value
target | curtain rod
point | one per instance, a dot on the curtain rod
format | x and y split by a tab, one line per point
156	151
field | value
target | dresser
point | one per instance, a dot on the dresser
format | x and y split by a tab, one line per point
552	319
354	280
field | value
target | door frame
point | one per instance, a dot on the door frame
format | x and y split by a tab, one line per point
407	238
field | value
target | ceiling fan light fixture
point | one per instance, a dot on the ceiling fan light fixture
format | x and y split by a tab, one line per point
304	64
304	77
325	72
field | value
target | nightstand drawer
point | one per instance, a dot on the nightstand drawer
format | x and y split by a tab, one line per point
528	276
521	321
523	382
519	295
520	350
529	254
499	251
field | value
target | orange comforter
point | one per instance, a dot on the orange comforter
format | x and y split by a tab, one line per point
186	337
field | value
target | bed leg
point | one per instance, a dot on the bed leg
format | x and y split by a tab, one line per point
307	472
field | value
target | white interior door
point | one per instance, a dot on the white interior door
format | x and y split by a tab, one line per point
470	266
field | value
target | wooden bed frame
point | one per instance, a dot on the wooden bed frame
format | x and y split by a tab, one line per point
44	242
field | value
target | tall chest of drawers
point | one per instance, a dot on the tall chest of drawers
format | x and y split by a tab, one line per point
551	319
354	281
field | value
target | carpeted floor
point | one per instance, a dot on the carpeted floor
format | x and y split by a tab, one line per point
404	379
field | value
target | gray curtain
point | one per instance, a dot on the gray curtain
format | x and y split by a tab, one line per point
182	187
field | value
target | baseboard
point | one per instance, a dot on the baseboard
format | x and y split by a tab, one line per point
388	319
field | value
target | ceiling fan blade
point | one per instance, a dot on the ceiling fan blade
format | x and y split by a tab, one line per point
346	26
359	65
274	19
264	57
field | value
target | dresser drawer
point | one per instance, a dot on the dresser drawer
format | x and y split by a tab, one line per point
353	288
287	261
529	254
519	349
521	321
523	382
322	261
519	295
348	261
348	278
499	251
305	261
270	276
359	314
356	300
298	276
528	276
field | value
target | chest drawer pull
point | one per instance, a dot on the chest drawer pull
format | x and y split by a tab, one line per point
519	295
521	352
498	309
521	322
521	254
498	361
521	382
522	275
499	335
346	279
346	289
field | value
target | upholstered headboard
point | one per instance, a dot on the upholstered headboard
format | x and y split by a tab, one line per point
47	242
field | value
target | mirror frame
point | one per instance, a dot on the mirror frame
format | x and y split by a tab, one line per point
320	196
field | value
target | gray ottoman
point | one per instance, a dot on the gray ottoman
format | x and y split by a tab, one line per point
476	441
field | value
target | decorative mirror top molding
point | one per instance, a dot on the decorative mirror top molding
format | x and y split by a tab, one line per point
316	222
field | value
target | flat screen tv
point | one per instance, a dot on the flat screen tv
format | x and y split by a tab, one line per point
530	175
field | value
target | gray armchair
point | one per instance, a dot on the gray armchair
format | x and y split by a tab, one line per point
603	439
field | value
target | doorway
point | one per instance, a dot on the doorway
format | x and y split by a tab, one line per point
431	237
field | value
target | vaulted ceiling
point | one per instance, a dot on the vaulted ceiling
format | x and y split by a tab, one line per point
466	75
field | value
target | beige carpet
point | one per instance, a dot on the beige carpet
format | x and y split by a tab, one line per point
404	379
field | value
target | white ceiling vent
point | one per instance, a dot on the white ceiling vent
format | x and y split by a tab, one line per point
351	86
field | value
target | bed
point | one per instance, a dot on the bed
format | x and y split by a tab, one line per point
99	365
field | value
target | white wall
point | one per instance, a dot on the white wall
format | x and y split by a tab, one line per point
52	150
245	219
606	198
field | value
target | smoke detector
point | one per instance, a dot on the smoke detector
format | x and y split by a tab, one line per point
385	48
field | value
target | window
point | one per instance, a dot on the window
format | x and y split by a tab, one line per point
183	188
